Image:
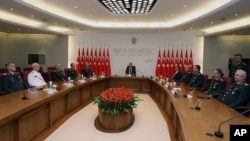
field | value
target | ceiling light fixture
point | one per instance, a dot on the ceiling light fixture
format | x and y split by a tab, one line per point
128	6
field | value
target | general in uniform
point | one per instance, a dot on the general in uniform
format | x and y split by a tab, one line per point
72	73
237	95
214	87
12	82
197	80
57	76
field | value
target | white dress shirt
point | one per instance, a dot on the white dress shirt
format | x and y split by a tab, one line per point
36	79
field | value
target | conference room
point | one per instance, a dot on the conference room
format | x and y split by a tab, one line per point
204	33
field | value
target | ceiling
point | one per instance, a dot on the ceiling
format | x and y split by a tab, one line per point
87	15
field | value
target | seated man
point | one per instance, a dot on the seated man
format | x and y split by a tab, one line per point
177	75
72	72
197	79
87	72
238	92
130	70
187	75
216	85
12	81
58	75
35	78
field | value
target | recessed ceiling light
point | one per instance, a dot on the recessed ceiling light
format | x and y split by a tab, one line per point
11	9
75	7
212	22
128	6
235	14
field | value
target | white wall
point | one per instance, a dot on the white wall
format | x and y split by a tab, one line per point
145	64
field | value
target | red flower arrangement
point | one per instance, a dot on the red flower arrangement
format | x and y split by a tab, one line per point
115	100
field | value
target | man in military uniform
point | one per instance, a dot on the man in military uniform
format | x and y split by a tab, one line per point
238	93
87	72
58	75
12	81
216	85
197	79
187	75
35	78
238	64
72	72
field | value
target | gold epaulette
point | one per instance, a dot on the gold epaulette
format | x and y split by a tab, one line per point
5	73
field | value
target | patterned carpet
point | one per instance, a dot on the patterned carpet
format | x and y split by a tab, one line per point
149	125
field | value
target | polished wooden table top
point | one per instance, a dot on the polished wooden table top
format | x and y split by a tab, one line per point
199	123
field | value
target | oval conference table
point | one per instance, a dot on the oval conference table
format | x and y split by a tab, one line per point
42	113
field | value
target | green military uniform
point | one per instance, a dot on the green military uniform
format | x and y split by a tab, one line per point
236	95
58	76
72	74
234	67
214	87
197	80
12	82
186	78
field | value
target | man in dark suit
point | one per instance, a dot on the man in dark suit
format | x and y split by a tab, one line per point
58	75
238	64
216	85
197	79
12	80
187	76
87	72
72	72
177	75
131	69
238	92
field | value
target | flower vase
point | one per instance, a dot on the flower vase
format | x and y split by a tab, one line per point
107	122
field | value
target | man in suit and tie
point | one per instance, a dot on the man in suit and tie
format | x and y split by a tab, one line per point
177	75
131	69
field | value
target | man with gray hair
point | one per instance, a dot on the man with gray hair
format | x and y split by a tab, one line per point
35	78
238	93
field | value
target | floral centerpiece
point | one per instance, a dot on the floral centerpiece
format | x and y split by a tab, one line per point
116	100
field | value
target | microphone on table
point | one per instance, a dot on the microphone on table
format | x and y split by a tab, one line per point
219	133
197	107
140	72
24	96
122	70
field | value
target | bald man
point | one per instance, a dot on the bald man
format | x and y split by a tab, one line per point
35	78
238	93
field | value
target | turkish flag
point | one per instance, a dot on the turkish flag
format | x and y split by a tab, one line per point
168	64
190	62
172	70
163	65
158	65
95	69
107	62
186	58
78	62
181	62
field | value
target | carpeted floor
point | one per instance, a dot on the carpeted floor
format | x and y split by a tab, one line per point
149	125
